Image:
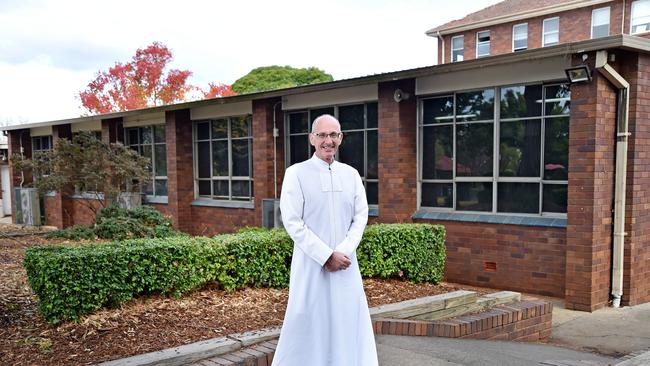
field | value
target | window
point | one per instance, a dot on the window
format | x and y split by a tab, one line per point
519	37
513	161
149	142
223	150
359	149
600	22
457	50
640	16
483	44
41	145
551	32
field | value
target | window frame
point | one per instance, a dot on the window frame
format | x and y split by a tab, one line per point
489	43
513	37
609	20
545	33
461	49
632	16
152	144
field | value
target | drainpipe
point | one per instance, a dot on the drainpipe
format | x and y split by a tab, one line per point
443	46
622	134
275	158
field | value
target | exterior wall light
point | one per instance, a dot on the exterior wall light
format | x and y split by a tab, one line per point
578	74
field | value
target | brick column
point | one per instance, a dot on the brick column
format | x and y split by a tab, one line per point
397	152
263	151
180	176
112	130
590	193
59	210
19	141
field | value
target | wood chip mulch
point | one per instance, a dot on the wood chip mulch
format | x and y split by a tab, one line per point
148	324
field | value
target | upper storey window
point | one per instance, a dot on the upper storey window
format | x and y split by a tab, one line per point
600	22
482	44
457	50
551	32
640	16
519	37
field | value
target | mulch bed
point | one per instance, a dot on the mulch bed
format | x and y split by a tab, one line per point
147	324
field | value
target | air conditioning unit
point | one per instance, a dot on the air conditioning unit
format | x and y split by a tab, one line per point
271	217
27	206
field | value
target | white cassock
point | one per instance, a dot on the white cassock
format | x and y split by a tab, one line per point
327	322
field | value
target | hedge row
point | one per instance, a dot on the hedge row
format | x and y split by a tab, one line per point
72	281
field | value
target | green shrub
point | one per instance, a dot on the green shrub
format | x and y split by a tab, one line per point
116	223
74	281
77	232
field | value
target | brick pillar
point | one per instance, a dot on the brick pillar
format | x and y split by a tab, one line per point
263	152
397	152
19	141
592	134
180	176
112	130
59	210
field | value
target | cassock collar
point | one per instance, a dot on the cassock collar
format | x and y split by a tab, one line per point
322	163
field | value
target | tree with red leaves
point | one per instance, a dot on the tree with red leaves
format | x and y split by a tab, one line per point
142	82
218	90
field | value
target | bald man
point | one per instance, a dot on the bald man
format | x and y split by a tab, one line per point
324	210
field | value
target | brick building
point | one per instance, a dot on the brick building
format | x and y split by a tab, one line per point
518	164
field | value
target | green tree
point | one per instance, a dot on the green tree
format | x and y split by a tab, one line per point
278	77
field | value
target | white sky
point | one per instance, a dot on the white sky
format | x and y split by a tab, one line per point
50	50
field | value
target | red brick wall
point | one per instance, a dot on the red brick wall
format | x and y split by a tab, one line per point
59	211
208	221
397	151
16	140
180	166
112	130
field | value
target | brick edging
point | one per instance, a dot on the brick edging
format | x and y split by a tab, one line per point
260	354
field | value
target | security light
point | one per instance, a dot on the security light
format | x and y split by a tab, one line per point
578	74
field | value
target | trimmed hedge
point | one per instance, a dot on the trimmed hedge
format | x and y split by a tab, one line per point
72	281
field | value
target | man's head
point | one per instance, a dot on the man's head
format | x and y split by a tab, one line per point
326	137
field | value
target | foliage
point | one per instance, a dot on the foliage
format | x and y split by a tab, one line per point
86	164
278	77
218	90
74	281
77	232
142	82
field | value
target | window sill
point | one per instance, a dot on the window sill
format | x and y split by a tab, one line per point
224	204
427	214
373	212
88	196
156	199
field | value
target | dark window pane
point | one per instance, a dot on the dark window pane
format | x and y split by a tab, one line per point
438	110
520	148
476	105
161	187
315	113
474	149
240	189
558	99
298	122
132	136
147	153
36	144
556	149
351	151
554	198
204	188
146	136
203	131
203	152
161	160
474	196
437	147
371	115
46	143
437	195
240	126
240	158
351	117
518	197
220	188
220	128
299	150
148	188
372	193
372	151
220	158
521	101
159	133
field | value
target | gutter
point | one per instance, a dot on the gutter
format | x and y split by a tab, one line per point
622	134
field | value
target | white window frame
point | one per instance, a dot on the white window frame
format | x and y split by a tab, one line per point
544	33
513	37
462	48
632	16
479	43
593	13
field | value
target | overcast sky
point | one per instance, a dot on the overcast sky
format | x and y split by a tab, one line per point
50	50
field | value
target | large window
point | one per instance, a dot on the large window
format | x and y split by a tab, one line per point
496	150
640	16
457	48
519	37
551	32
149	141
600	22
359	146
223	150
482	44
40	145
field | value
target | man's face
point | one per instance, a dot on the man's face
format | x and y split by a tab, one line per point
326	147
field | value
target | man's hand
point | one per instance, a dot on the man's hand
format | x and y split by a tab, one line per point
337	262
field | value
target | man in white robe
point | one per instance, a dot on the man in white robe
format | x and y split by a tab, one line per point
324	210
